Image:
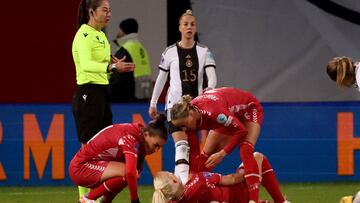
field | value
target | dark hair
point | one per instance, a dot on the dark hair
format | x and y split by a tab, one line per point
83	13
129	25
158	126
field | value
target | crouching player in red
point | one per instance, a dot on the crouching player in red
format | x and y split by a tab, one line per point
206	187
234	117
99	164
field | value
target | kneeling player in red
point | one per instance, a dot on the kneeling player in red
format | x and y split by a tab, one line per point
99	164
234	118
205	187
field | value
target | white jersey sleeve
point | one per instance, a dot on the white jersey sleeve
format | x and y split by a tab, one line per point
357	75
160	80
210	69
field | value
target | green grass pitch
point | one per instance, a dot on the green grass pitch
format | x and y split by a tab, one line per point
296	193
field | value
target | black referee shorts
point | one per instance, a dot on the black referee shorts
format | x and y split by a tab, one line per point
91	109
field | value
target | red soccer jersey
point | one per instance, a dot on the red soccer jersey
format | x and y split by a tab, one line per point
224	109
203	188
111	144
119	142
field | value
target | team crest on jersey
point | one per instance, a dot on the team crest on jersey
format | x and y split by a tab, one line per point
189	63
136	147
221	118
207	174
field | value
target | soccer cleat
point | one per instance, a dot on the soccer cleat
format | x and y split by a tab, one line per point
286	201
84	199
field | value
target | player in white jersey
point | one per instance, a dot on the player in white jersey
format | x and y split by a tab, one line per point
185	63
344	71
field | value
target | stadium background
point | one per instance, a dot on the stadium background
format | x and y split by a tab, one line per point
275	49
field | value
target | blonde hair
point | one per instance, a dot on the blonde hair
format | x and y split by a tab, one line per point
182	108
342	71
188	12
164	188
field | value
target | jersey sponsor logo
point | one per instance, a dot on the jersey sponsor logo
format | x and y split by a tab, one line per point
85	34
221	118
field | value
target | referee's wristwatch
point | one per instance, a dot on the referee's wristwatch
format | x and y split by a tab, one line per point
113	67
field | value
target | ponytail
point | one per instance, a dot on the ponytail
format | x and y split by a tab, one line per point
182	108
342	71
83	12
158	126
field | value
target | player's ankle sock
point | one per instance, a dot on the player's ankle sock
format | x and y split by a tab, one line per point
252	176
83	190
113	185
270	182
108	197
182	160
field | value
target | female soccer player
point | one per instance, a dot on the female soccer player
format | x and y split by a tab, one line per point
205	187
99	163
344	71
186	61
235	117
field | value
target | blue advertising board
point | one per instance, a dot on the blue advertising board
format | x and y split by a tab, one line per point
303	141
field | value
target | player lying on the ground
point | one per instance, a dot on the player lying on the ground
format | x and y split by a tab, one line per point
205	187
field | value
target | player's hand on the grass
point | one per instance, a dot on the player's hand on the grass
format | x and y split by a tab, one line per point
215	159
152	112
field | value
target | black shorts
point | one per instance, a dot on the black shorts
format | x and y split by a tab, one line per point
91	109
171	128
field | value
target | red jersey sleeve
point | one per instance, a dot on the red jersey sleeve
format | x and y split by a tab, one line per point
230	126
131	175
129	145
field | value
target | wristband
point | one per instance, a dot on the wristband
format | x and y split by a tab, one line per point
113	68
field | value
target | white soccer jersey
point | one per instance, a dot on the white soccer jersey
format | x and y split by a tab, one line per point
186	68
357	75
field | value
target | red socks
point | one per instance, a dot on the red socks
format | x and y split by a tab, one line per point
270	182
112	185
252	177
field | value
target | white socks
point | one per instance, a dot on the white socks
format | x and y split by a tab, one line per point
182	150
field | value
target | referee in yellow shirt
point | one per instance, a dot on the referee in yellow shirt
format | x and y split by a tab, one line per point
91	53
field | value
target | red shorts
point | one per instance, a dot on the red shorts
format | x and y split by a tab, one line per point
254	113
87	174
